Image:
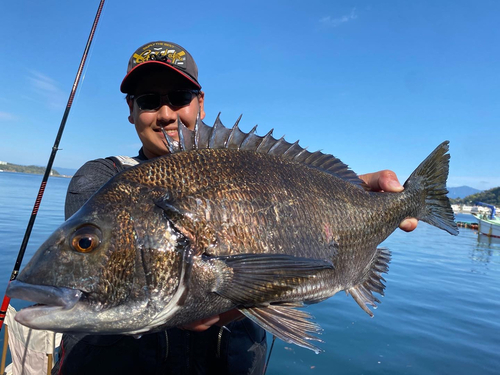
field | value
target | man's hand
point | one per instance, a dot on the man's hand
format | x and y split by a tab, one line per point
220	320
387	181
201	325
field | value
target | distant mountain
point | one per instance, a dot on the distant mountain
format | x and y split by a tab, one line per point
491	196
457	192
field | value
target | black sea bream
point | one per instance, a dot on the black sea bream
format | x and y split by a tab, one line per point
228	220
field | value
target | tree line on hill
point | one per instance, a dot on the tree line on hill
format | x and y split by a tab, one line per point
26	169
491	196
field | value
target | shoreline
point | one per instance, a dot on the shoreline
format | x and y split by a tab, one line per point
38	174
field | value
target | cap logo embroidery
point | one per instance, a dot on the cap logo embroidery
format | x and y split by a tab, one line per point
159	54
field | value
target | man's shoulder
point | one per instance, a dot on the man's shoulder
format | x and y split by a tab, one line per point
108	166
97	166
123	161
91	176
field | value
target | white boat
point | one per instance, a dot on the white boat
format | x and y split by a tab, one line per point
489	224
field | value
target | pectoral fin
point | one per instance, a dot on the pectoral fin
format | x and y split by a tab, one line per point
253	279
287	323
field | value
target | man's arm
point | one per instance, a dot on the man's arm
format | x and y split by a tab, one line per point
387	180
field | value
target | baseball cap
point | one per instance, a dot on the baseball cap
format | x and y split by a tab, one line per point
172	56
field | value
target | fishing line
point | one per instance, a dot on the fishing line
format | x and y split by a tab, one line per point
55	148
269	356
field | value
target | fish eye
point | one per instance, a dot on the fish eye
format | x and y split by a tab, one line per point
86	239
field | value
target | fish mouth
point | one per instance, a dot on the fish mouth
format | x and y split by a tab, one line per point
44	296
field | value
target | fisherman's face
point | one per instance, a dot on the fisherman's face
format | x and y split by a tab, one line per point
148	123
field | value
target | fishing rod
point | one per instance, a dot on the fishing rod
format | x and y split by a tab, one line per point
55	148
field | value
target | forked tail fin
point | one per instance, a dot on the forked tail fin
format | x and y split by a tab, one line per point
431	176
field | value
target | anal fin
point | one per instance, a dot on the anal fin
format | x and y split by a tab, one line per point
373	282
287	323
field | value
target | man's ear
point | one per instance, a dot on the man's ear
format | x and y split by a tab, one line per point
201	100
130	103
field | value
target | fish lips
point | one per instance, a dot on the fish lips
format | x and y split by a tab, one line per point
51	298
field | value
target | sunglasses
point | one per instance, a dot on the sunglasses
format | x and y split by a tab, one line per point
152	102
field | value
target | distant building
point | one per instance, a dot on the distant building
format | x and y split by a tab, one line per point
3	162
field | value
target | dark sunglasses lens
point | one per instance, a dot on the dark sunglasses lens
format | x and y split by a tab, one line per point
180	98
148	102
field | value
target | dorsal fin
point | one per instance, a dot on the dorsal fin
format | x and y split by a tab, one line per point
219	136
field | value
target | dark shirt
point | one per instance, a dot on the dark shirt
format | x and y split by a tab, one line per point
90	178
239	349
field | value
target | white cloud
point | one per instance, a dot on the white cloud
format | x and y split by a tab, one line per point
328	21
5	116
46	88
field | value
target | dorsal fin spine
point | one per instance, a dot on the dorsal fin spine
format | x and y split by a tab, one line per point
180	124
249	137
197	131
169	142
217	123
233	132
265	139
276	145
290	149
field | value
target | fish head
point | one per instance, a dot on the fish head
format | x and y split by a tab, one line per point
107	269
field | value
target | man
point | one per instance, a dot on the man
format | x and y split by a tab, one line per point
161	86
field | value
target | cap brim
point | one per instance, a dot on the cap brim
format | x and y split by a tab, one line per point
130	79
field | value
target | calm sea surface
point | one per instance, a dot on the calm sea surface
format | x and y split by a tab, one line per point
440	315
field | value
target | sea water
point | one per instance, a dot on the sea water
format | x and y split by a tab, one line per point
440	313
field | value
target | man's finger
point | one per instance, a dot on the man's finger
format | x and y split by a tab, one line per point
385	180
201	325
408	224
388	181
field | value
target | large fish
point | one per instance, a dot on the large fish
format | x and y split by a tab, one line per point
233	220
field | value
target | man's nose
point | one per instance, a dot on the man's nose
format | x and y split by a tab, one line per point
166	113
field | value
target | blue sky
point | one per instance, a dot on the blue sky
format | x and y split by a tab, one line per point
377	83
